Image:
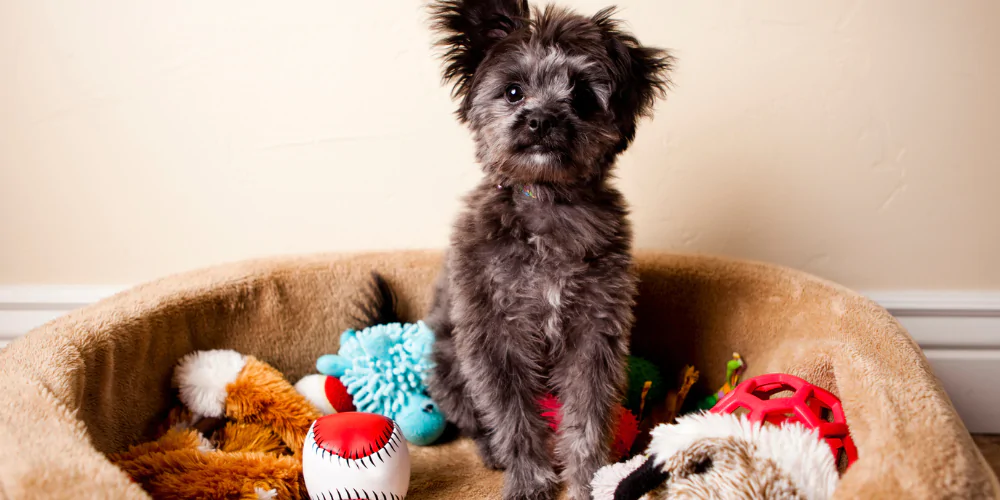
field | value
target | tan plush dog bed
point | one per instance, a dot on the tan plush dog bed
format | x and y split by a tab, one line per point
98	379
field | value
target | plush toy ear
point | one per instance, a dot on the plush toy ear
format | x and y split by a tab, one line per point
641	481
628	480
639	74
333	365
469	29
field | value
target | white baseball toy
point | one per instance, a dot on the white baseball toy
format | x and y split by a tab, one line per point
355	455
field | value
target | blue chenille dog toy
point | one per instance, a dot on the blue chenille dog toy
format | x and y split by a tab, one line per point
384	368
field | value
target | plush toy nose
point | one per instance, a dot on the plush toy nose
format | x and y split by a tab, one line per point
429	408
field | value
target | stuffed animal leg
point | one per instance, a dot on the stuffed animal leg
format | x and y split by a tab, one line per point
224	383
177	466
719	456
183	464
172	440
244	437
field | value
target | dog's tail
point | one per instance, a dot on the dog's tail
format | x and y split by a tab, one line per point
378	305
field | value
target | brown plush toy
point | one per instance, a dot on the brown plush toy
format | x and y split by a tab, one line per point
239	436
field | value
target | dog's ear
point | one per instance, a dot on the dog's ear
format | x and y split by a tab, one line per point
639	74
468	30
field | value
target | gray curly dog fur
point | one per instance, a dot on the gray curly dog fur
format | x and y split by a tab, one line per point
538	288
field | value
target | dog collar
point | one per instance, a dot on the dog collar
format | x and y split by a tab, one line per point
525	190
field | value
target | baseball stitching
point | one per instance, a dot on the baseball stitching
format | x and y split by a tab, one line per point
352	493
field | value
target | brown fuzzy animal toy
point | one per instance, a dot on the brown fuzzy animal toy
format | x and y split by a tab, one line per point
710	456
239	436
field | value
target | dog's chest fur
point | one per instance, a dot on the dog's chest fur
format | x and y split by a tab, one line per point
533	285
536	257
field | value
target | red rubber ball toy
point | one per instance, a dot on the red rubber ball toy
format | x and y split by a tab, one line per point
811	406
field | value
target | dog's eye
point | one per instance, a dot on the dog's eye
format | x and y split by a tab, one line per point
584	101
513	93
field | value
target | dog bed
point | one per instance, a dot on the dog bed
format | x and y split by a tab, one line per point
98	379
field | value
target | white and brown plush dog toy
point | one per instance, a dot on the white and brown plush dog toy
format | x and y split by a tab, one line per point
715	456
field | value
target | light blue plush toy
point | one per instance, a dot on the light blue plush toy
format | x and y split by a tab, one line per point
384	368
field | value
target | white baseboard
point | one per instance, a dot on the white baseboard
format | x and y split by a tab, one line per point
959	332
960	335
23	307
946	320
968	375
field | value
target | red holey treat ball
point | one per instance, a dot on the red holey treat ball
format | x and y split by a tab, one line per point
801	402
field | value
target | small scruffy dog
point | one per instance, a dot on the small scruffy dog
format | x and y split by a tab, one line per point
537	291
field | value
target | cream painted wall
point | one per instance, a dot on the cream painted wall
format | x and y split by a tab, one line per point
857	140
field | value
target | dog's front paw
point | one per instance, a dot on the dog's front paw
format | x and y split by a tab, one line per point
530	482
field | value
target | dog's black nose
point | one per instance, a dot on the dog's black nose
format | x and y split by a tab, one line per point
540	122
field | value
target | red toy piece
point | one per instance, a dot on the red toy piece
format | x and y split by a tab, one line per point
625	433
355	435
811	406
337	395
